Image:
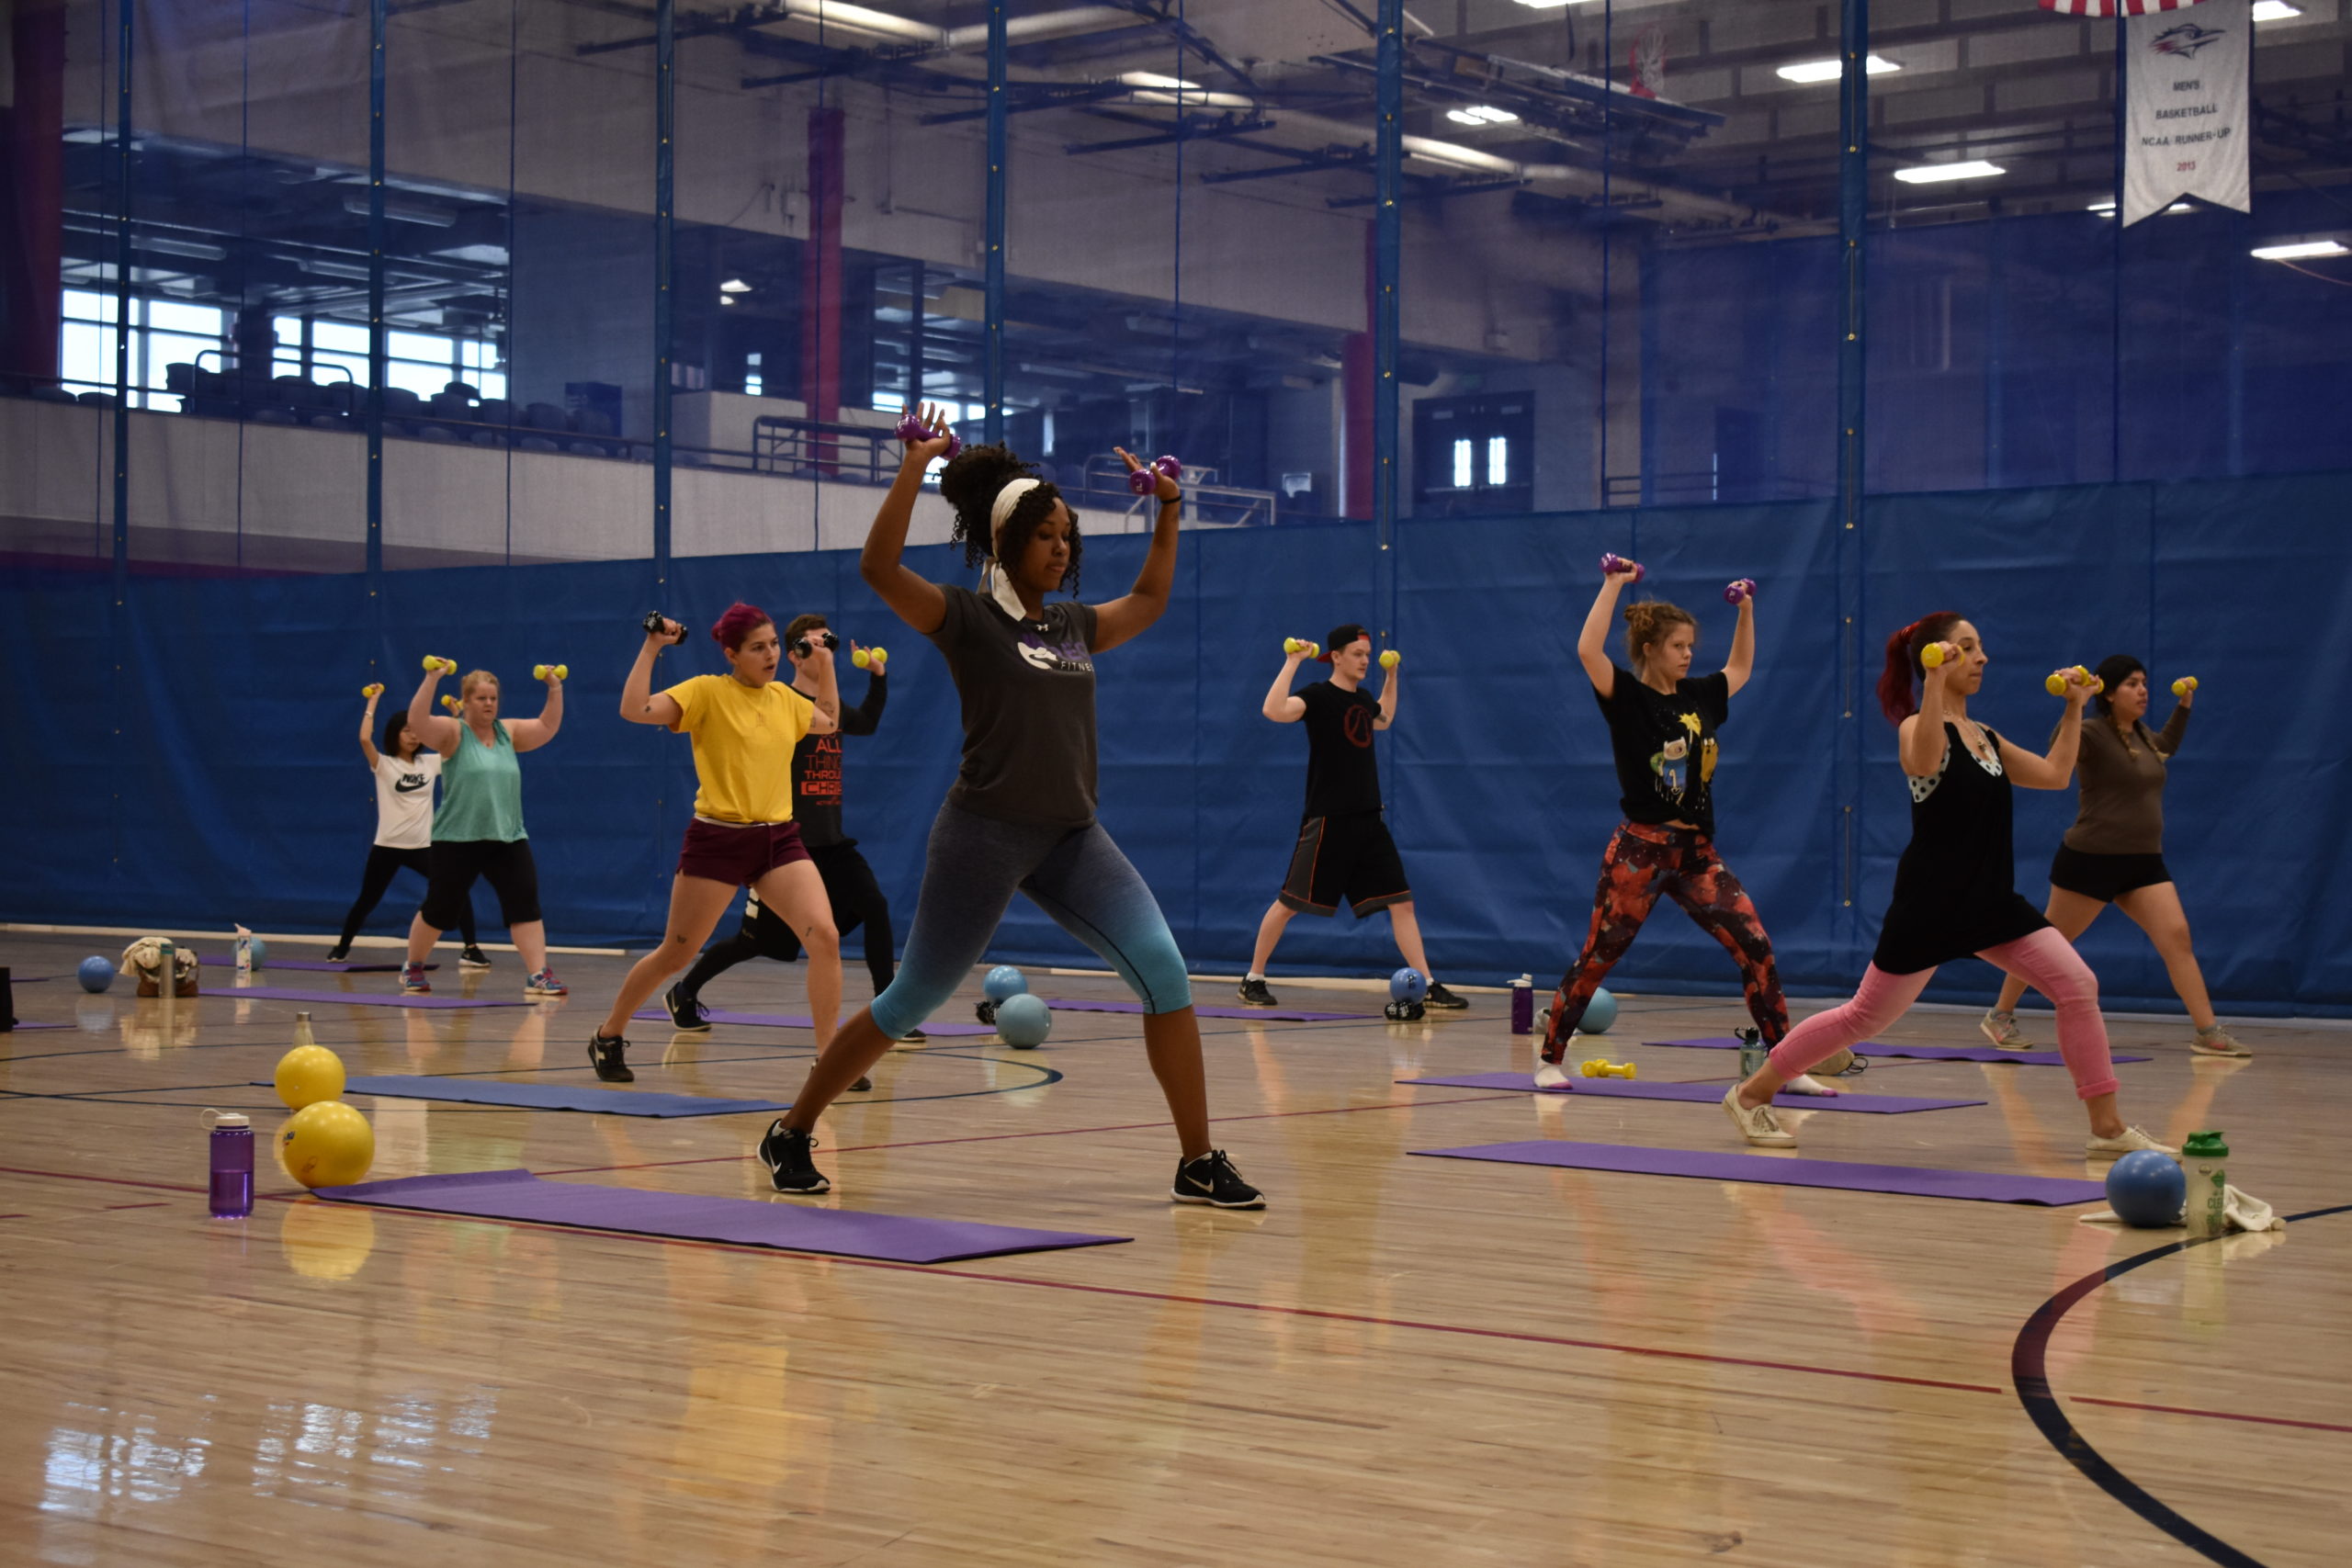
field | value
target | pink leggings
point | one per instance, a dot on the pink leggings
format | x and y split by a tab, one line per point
2045	961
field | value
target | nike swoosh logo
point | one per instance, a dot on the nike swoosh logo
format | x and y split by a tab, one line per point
411	785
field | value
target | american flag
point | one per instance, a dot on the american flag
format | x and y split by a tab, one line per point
2109	7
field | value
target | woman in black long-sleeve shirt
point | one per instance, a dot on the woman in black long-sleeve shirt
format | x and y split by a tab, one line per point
817	805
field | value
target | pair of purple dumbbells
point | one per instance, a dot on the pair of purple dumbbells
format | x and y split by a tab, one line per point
1614	565
1146	479
911	429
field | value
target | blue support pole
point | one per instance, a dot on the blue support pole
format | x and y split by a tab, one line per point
665	116
123	32
999	155
378	20
1387	262
1853	213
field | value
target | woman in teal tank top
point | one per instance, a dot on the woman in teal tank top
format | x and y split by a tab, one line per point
478	831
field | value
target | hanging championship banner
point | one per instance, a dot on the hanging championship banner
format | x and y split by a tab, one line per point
2186	108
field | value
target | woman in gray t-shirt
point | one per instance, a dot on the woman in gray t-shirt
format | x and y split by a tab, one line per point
1020	815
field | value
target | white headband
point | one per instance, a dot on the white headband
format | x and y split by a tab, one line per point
1001	511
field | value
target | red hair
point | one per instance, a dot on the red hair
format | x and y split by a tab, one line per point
739	622
1902	666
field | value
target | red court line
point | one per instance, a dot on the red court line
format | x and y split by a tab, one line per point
2212	1414
1046	1132
112	1208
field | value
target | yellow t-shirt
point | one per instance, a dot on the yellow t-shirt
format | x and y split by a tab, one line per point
743	739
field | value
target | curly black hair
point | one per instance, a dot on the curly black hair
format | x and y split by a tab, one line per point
970	484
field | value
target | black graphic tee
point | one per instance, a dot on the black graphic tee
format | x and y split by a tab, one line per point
1665	747
1342	774
1028	694
817	769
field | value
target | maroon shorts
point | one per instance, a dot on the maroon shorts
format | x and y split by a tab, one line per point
739	856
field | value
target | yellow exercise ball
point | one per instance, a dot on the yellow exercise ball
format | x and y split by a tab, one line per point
308	1073
326	1145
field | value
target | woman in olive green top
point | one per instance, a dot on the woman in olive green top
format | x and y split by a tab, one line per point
478	832
2114	852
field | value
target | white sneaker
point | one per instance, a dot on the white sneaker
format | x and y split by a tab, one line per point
1806	1083
2001	1029
2216	1042
1757	1125
2129	1141
1550	1075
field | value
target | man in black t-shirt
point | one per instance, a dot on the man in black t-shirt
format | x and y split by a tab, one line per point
855	896
1344	854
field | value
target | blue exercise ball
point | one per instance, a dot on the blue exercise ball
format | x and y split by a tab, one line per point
1407	985
1599	1014
95	974
1005	981
1023	1021
261	951
2146	1189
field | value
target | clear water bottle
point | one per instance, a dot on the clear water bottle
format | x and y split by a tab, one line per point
233	1164
244	954
2203	1159
302	1035
1522	1005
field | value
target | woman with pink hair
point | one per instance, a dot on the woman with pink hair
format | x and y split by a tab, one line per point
744	725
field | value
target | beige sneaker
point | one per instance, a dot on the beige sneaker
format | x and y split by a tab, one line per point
2216	1042
1836	1065
2001	1029
2129	1141
1757	1125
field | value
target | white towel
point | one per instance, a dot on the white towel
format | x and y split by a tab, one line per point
2242	1211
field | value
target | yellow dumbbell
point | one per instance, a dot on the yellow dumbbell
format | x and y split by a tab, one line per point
870	658
541	671
1390	658
1602	1068
1932	656
2055	681
440	666
372	689
2185	685
1300	645
450	702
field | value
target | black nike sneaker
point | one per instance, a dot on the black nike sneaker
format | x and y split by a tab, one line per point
1439	997
787	1155
686	1013
1254	994
1211	1180
608	1055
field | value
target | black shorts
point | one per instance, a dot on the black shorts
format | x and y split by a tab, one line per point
508	867
2105	878
1344	860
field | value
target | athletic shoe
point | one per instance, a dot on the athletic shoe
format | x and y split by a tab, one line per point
544	985
2001	1029
687	1014
1757	1123
1839	1065
338	953
1211	1180
2216	1042
2129	1141
608	1054
913	1037
1806	1083
786	1153
1550	1075
412	980
1254	994
1438	997
862	1086
473	957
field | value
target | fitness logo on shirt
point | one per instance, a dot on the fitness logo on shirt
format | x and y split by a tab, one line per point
1356	725
411	782
1068	658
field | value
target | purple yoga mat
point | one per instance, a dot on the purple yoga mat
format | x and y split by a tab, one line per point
330	966
1696	1093
745	1222
1270	1015
1920	1052
22	1025
787	1021
1908	1180
359	999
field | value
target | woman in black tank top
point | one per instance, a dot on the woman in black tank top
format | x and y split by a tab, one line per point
1955	891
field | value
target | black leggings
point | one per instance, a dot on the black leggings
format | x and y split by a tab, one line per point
383	863
857	901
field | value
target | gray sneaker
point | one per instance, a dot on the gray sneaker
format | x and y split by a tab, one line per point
2001	1029
2216	1042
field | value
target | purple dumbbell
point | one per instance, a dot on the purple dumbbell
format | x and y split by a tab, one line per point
911	429
1612	564
1146	479
1740	590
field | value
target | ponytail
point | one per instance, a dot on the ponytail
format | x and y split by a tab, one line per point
1902	666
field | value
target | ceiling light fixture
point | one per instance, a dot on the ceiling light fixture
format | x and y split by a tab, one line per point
2298	250
2275	11
734	285
1482	114
1551	5
1830	70
1154	79
1936	174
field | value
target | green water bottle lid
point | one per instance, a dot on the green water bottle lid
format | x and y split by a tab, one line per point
2205	1146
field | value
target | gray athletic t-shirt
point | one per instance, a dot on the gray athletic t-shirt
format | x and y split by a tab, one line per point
1028	692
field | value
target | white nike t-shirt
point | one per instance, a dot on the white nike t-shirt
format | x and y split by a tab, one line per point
404	799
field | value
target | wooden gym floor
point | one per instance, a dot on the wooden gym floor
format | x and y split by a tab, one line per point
1403	1361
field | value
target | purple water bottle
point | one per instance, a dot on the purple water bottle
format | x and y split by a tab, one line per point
1522	1005
233	1164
